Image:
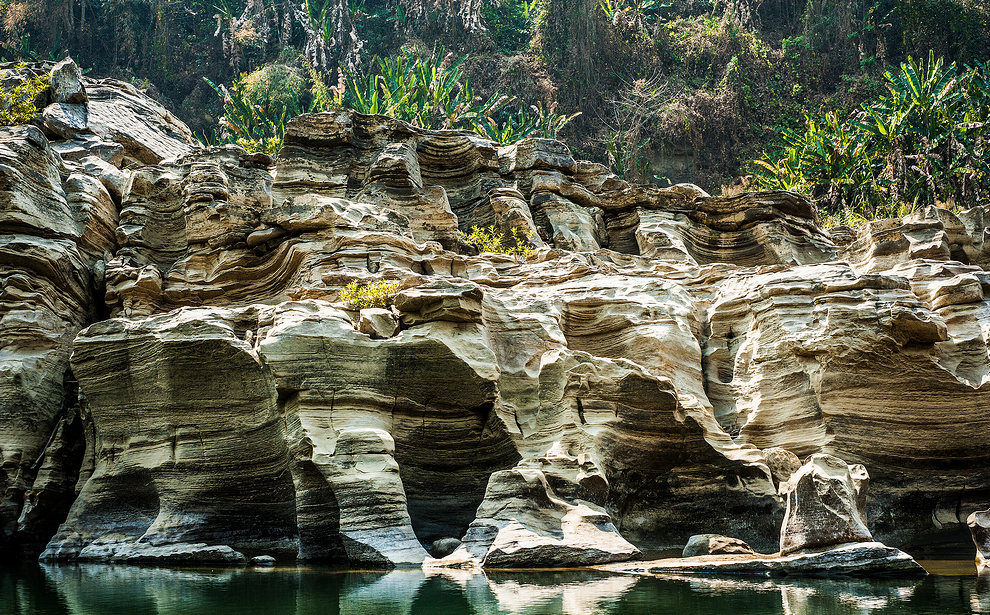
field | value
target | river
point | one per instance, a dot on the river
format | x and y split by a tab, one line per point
110	590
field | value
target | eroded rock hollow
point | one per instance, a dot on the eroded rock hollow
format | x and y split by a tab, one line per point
179	380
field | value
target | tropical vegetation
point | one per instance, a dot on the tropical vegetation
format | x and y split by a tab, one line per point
427	91
924	141
17	97
660	91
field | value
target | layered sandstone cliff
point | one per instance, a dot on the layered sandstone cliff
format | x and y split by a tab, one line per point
616	391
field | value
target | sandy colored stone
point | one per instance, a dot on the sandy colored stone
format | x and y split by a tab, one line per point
652	371
378	323
782	463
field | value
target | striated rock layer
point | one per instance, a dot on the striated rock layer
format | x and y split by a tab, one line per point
657	368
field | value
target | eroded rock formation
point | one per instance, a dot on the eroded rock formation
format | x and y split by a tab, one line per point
826	505
654	370
979	526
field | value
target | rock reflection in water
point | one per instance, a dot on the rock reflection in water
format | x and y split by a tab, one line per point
105	590
980	600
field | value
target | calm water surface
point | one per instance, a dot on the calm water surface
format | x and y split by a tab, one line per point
107	590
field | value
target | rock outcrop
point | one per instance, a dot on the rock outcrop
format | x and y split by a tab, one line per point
56	222
826	505
713	544
979	526
653	370
861	559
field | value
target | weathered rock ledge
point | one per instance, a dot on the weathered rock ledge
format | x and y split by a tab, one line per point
861	559
179	380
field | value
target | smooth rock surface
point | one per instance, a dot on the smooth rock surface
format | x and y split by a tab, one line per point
55	226
713	544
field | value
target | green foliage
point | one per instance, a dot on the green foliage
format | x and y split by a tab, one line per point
318	12
538	121
957	27
326	98
430	92
17	102
513	22
357	296
924	142
433	92
647	9
491	239
245	122
278	88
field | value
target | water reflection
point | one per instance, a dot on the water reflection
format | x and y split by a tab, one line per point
106	590
980	601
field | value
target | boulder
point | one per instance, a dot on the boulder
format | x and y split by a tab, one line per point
440	301
443	547
378	323
66	120
782	463
67	83
713	544
262	561
979	526
826	505
523	523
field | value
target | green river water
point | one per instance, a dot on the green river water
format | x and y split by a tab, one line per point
108	590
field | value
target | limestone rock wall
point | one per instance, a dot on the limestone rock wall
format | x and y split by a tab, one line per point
647	374
55	224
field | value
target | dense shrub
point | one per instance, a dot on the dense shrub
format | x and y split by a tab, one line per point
492	239
429	92
17	100
356	296
512	22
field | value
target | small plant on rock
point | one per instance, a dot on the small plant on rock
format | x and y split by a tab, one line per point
371	295
491	239
17	102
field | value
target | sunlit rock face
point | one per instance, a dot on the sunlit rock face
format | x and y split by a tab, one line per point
199	471
657	368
